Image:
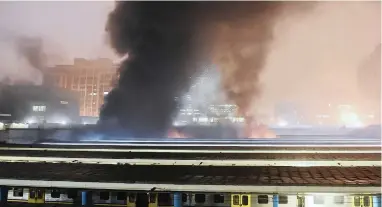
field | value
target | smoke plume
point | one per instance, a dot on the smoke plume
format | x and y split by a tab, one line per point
205	90
32	50
240	53
167	41
23	58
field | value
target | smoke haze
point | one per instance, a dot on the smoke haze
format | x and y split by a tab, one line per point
67	30
314	59
32	50
21	58
318	56
25	58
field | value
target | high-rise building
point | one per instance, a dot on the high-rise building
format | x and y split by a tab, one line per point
92	79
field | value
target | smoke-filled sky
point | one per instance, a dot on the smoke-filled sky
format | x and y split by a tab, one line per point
74	28
313	58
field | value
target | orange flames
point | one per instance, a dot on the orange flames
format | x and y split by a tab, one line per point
250	131
173	133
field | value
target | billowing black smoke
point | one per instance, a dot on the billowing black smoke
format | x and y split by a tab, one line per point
166	42
159	38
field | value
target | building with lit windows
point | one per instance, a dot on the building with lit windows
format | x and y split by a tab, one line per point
92	79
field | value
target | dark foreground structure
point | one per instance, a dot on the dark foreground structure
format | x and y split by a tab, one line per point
38	104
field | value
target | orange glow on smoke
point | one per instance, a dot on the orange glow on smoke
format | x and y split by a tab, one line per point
173	133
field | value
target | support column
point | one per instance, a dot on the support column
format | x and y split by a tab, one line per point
377	201
178	199
3	195
275	200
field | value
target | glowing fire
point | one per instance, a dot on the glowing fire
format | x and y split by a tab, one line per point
259	131
173	133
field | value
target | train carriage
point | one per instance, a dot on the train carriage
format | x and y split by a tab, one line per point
107	198
18	195
58	196
163	199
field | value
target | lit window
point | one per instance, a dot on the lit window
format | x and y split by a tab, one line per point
39	108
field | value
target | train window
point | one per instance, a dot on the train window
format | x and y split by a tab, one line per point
18	192
153	197
218	198
104	195
339	199
55	194
366	201
40	194
357	201
262	199
132	198
236	200
121	196
72	194
245	200
184	197
318	200
164	199
32	193
283	199
200	198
